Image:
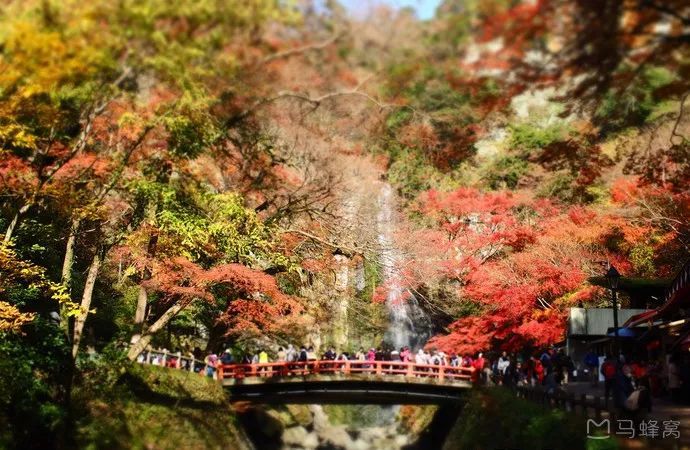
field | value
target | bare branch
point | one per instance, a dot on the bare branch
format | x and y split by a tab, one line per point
303	49
324	242
317	101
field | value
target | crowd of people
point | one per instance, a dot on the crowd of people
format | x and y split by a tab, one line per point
622	376
550	368
306	354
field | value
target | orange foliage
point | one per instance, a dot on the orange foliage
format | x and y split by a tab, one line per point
256	303
524	262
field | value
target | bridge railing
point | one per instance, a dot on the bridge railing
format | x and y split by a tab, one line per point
346	367
175	360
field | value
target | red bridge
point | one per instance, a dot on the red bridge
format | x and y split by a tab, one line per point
353	382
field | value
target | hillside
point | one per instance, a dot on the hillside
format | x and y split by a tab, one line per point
251	174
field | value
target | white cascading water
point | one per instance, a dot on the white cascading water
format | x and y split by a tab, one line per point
409	324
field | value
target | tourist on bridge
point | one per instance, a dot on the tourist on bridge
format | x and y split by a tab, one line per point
371	356
439	359
291	355
303	354
211	360
330	355
435	359
311	354
226	357
405	354
263	359
360	355
282	354
421	357
395	355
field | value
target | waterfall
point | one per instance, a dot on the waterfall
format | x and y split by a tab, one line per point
409	324
358	427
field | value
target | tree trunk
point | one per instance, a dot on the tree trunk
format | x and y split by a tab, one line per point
15	221
86	300
140	314
67	263
162	321
142	298
69	253
216	336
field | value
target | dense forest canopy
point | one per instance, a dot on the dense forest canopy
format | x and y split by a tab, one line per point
186	174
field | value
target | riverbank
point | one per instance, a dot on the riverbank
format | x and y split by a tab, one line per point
155	408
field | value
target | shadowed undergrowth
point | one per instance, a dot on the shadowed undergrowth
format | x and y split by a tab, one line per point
156	408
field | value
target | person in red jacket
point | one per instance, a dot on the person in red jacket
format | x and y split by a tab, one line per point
608	369
539	371
478	365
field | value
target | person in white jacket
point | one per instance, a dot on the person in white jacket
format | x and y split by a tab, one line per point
502	365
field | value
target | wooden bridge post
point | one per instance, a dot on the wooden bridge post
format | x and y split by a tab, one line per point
378	367
219	372
165	357
441	372
347	367
178	361
410	370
